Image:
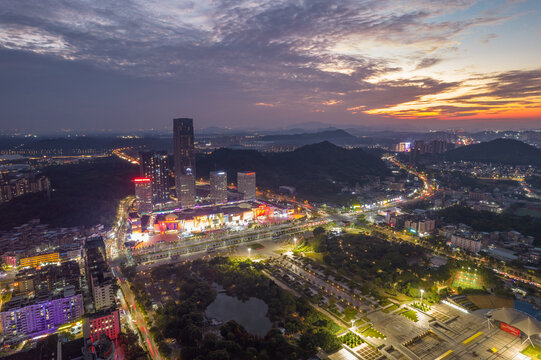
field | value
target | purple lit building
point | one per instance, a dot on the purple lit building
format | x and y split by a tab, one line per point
25	318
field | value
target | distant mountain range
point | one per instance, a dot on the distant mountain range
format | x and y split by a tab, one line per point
504	151
337	137
69	145
312	169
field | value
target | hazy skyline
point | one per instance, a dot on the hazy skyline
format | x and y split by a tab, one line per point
265	64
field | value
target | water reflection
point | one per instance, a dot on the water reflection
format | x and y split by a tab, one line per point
251	314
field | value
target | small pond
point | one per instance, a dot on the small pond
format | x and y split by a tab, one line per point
252	314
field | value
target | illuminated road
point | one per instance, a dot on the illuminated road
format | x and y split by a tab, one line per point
428	190
137	318
528	191
121	154
115	237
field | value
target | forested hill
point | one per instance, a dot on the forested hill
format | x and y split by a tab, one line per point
309	168
504	151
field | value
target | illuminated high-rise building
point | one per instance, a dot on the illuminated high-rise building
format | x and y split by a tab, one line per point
186	190
143	195
403	147
183	143
153	165
218	187
246	184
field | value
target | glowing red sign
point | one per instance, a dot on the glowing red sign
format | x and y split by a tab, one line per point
141	180
511	330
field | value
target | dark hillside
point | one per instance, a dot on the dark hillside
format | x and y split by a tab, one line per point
504	151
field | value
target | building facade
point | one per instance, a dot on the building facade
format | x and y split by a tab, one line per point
37	260
153	165
13	187
471	245
104	323
143	195
246	185
99	274
186	190
402	147
23	319
102	291
184	161
218	187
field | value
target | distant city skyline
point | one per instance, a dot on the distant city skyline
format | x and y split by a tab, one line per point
420	64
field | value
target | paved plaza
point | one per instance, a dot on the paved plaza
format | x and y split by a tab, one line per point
442	333
368	352
343	355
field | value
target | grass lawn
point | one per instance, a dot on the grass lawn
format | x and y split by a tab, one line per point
373	333
362	321
363	328
390	308
256	246
399	297
533	352
302	247
316	256
410	314
339	329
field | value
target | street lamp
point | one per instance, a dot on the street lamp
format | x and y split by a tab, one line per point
352	321
249	252
422	292
295	241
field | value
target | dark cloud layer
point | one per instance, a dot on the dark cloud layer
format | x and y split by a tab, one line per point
100	63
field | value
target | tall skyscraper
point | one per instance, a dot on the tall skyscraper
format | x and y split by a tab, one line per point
218	187
143	195
246	184
183	143
153	165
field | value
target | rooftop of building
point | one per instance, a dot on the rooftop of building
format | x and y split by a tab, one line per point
21	301
44	349
100	313
232	208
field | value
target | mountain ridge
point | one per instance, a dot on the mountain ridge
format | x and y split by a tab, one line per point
503	151
317	167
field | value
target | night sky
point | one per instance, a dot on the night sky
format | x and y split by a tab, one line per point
136	64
